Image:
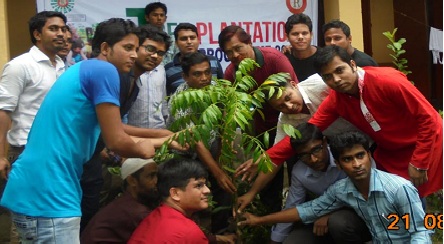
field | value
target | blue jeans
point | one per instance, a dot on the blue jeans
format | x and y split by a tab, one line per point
47	230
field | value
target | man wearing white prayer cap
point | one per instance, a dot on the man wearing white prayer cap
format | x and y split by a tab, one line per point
116	222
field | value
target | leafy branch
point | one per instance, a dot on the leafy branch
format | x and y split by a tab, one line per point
396	47
224	111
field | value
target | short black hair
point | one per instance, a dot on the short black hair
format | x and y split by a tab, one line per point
112	31
326	54
152	33
347	140
298	19
39	20
309	133
177	172
185	26
77	43
191	59
153	6
337	24
233	30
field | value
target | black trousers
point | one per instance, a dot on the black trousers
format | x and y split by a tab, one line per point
91	183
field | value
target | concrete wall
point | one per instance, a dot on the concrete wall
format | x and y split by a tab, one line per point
382	21
14	33
4	41
348	11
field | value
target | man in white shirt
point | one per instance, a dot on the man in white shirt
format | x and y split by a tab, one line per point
24	83
150	109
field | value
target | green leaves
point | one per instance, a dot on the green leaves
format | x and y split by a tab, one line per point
396	48
218	110
291	131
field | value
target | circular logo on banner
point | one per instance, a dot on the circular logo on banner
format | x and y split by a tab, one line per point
63	6
296	6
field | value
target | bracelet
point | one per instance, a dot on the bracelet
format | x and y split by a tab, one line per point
417	168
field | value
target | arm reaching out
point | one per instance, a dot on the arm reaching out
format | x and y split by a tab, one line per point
285	216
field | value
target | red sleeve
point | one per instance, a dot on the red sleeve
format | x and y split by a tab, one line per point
281	151
326	113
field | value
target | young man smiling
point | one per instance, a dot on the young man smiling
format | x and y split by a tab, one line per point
372	193
182	187
338	33
150	109
197	75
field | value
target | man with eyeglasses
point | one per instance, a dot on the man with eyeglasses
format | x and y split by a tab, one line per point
150	109
187	41
313	173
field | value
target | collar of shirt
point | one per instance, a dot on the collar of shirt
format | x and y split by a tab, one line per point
38	55
316	174
375	185
259	56
306	99
148	73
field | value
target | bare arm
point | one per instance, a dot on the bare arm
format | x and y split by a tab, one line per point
285	216
222	179
115	137
5	123
261	181
146	132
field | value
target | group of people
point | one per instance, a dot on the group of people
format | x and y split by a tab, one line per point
57	124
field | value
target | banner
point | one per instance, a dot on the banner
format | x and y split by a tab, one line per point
264	20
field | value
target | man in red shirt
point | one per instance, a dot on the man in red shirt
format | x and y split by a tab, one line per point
182	188
383	103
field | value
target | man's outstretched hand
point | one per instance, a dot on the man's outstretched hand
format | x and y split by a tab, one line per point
248	170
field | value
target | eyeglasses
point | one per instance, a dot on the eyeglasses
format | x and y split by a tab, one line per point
198	74
315	151
153	50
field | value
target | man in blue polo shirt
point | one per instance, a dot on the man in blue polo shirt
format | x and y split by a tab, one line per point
43	190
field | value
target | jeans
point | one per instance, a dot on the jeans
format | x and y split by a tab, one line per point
47	230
